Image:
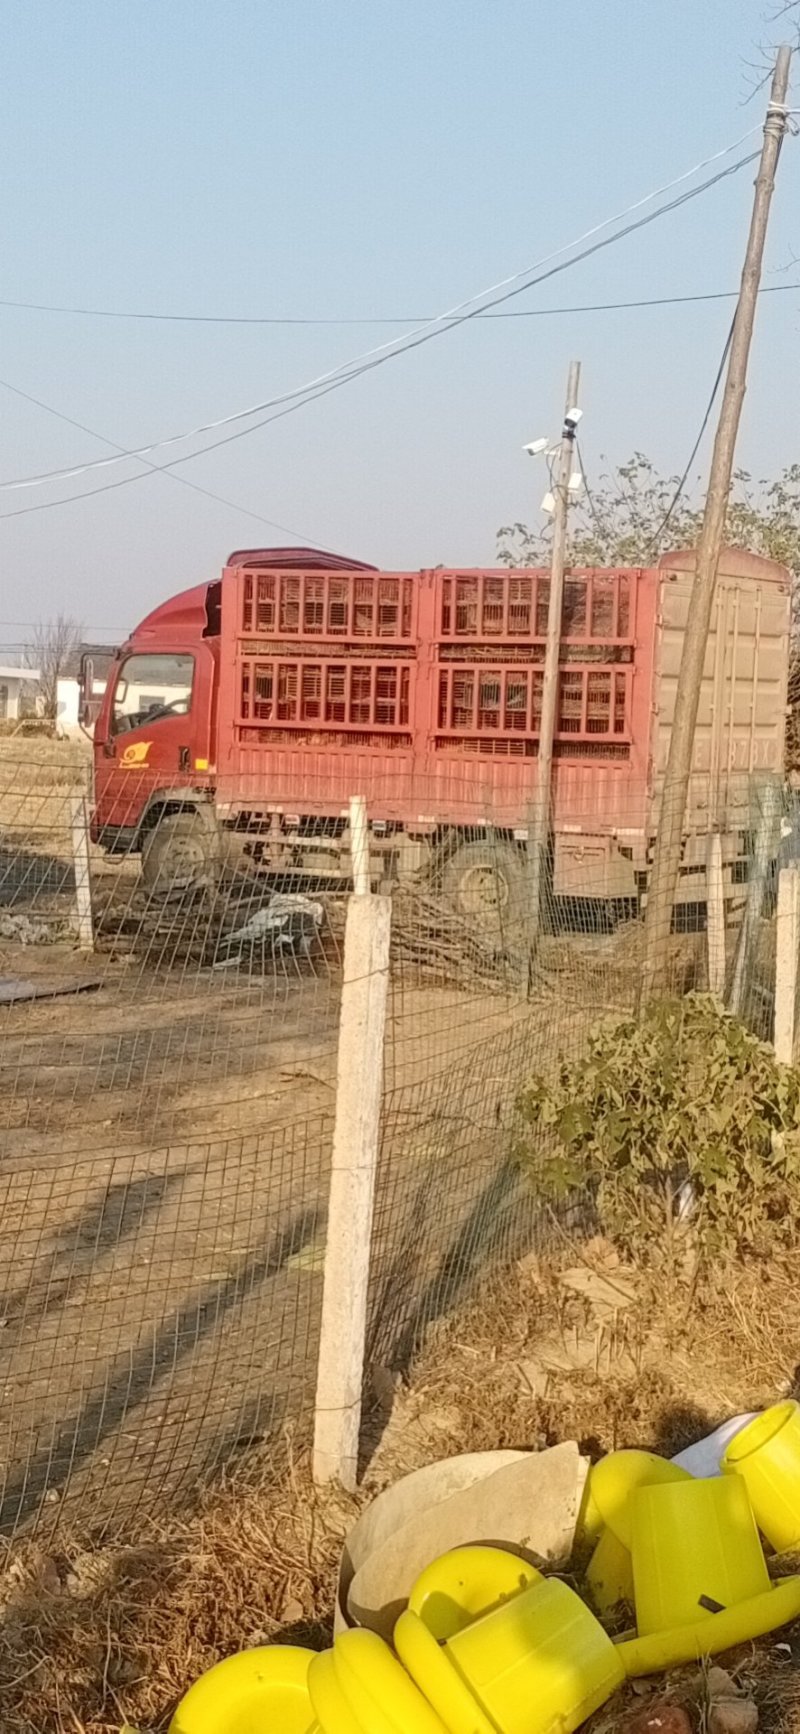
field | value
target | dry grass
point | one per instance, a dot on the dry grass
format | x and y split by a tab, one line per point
91	1637
669	1368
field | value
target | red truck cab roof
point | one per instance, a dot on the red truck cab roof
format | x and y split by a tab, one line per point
294	559
186	612
196	612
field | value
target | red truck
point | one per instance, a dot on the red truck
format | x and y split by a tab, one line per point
241	716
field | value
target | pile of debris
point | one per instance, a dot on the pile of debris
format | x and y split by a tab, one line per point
23	930
287	922
234	931
493	1593
443	946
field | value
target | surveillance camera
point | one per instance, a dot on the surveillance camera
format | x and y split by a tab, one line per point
572	417
535	447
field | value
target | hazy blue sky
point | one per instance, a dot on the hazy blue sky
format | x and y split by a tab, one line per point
346	158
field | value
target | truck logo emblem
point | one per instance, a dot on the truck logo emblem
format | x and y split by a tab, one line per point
135	754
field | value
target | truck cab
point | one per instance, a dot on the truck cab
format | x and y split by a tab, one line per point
155	734
153	738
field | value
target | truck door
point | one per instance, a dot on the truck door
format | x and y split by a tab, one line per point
150	739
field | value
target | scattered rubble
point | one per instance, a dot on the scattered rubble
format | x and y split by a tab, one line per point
289	921
662	1718
733	1716
22	930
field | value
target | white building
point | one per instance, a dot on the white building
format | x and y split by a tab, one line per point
16	686
68	695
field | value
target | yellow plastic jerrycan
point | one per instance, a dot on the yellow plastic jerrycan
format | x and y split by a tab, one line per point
359	1687
589	1526
612	1482
261	1688
609	1574
696	1552
538	1664
709	1637
766	1454
466	1582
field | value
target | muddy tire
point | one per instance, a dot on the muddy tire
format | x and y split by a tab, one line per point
180	854
485	884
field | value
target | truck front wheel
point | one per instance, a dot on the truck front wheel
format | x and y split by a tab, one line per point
180	853
485	883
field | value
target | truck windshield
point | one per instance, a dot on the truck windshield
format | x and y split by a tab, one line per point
150	688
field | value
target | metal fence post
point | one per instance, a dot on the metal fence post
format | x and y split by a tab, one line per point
765	848
787	946
715	914
359	1083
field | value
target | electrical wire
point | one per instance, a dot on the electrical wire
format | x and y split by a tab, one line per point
398	346
361	319
359	365
233	505
402	318
696	447
598	524
235	319
111	634
19	625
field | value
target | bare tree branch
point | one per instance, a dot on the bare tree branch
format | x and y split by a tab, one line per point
632	514
622	521
55	643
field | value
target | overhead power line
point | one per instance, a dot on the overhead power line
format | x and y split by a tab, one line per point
361	365
598	523
399	318
211	319
656	538
184	481
23	626
696	447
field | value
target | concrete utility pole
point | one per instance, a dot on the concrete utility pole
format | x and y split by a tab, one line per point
539	827
667	859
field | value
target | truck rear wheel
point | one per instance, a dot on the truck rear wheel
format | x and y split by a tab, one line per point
180	853
485	883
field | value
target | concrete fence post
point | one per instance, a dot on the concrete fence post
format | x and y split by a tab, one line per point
359	1082
83	882
359	845
787	949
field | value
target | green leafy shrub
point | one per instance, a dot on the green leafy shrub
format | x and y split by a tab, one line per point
684	1109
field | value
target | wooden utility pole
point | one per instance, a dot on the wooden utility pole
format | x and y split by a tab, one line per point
667	859
539	825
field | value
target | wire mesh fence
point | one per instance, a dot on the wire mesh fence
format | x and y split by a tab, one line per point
166	1128
169	1095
